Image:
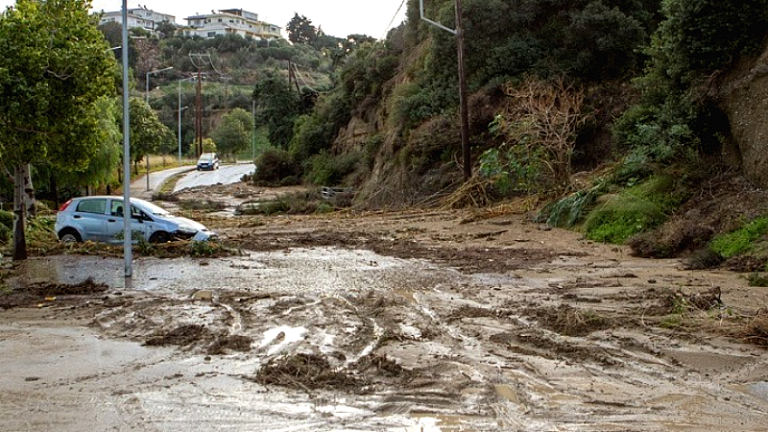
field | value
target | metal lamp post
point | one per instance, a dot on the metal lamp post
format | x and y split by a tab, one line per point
180	110
148	74
127	252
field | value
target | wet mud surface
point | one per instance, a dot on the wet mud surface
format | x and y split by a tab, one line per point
419	321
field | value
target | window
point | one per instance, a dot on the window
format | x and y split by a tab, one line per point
211	34
98	205
219	19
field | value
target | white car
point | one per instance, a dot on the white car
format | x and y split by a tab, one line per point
100	218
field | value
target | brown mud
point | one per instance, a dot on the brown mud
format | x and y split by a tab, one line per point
407	321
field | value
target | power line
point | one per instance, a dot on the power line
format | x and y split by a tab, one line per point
392	20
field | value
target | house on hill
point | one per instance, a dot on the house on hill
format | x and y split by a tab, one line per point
140	17
231	21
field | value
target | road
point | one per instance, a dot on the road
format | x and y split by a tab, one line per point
226	174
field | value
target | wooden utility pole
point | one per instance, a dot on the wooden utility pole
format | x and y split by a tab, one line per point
199	114
463	109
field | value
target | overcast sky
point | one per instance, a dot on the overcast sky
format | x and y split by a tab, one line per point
336	17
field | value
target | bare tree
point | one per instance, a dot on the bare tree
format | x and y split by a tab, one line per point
545	115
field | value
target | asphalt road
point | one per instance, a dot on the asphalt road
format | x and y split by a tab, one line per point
226	174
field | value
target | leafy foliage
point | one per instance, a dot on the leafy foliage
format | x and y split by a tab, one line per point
102	167
274	166
741	240
234	133
278	107
331	170
300	30
54	66
675	122
148	133
634	210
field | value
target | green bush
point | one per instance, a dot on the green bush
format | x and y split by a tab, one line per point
570	210
742	240
6	219
634	210
620	218
5	234
326	170
273	165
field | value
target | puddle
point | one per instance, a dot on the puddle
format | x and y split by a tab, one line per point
320	271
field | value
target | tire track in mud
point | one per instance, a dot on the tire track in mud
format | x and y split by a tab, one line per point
552	348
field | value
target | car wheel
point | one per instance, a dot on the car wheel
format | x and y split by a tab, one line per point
69	235
160	237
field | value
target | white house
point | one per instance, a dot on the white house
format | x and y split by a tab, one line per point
138	17
231	21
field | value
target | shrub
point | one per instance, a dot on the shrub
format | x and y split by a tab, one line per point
741	240
635	210
326	170
273	165
6	219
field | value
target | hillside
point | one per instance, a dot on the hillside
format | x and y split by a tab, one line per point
609	115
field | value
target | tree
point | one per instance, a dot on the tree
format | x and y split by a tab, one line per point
103	166
148	133
234	133
301	31
54	66
278	108
166	29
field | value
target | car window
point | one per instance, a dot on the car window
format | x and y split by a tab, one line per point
138	214
116	208
96	205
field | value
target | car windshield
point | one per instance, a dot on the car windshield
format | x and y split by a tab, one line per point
206	158
151	208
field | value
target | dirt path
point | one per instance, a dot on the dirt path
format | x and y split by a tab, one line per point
418	321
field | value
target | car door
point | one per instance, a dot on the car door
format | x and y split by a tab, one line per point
115	223
91	217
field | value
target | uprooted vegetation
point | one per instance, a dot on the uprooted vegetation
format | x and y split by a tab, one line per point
42	293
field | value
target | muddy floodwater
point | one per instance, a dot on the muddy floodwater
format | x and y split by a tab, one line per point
323	338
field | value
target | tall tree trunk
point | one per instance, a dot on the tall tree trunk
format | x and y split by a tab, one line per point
55	190
20	175
29	192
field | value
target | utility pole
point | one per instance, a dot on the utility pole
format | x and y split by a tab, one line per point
253	132
463	109
147	82
199	99
199	113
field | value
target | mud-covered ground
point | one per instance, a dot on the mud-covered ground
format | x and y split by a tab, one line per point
407	321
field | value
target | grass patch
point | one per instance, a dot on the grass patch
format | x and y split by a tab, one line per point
634	210
742	240
570	210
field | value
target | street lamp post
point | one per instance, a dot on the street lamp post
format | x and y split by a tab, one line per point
127	252
180	110
148	74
